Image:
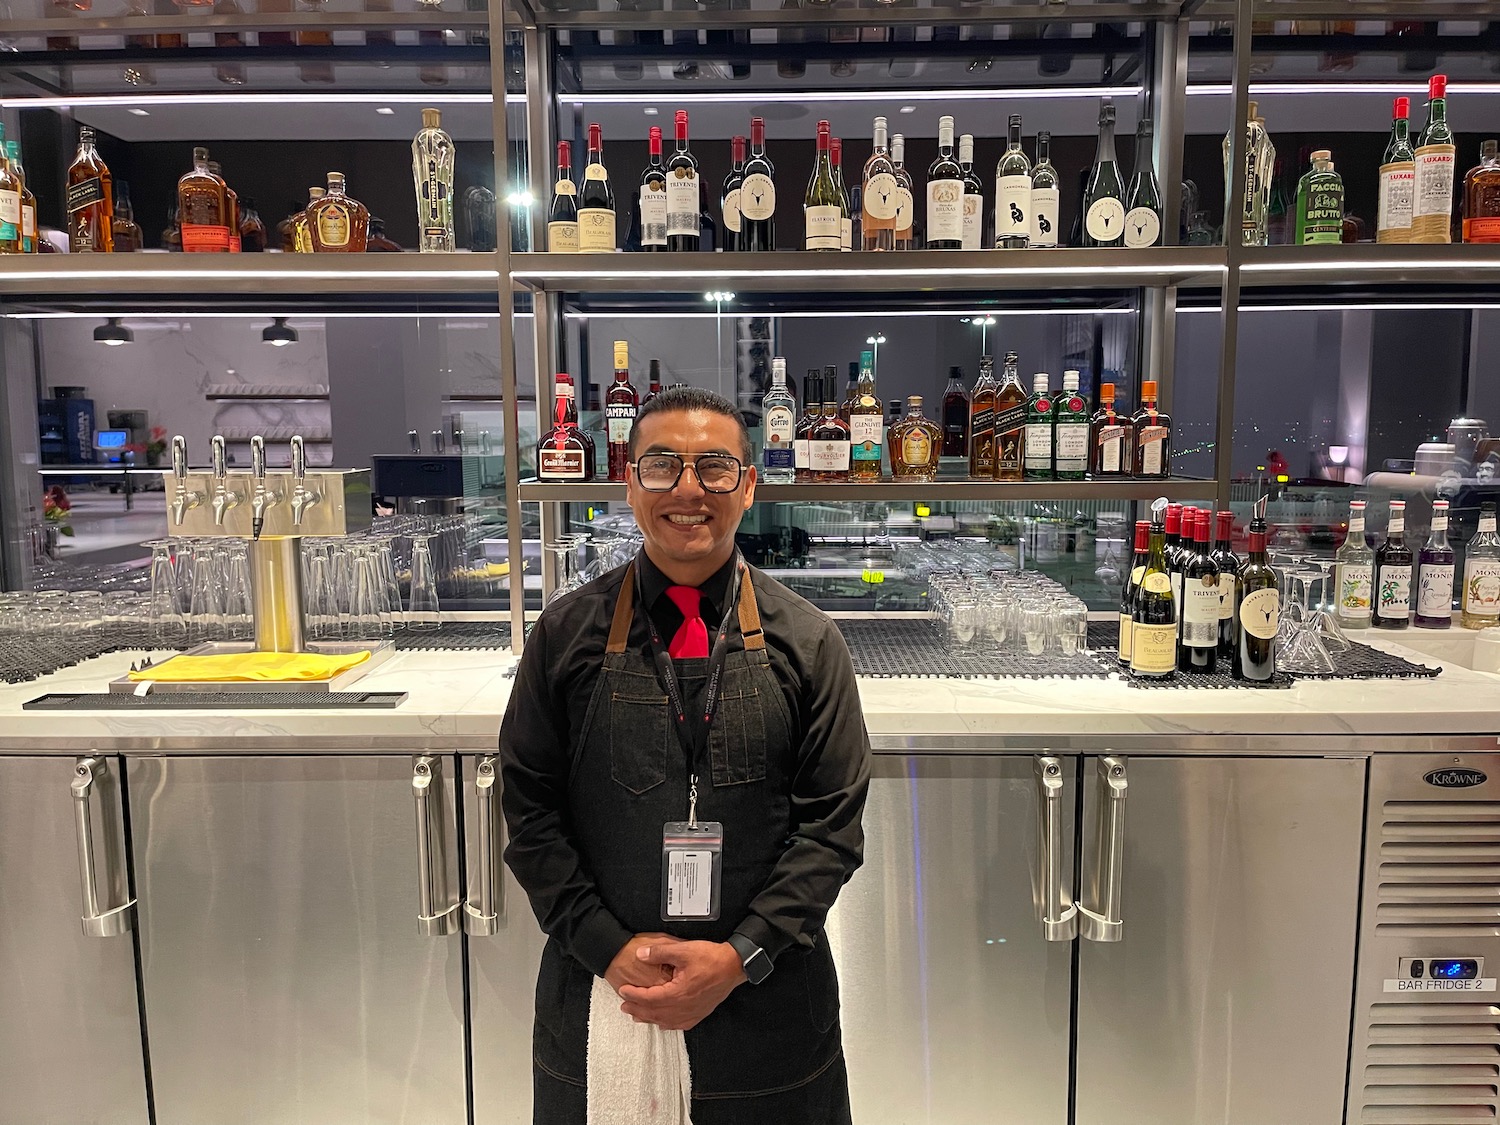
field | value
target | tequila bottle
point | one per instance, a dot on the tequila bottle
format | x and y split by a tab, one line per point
779	408
1354	576
1481	592
1260	164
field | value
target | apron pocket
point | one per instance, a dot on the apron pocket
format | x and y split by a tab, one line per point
737	740
822	986
638	741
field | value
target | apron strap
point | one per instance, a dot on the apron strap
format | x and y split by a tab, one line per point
619	629
755	640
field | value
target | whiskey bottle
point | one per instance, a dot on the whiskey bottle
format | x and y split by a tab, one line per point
866	425
231	209
973	195
779	410
1393	573
565	452
1103	198
1398	179
432	159
1229	569
905	201
253	230
203	209
828	440
338	223
620	406
1436	156
1481	593
1143	202
1354	574
1037	437
1012	404
955	415
878	196
846	215
729	195
1320	204
562	220
1151	436
1070	437
128	236
91	200
915	441
758	194
1109	439
302	240
1045	196
596	201
378	242
1482	196
652	201
1131	587
11	187
682	192
29	233
982	422
851	388
1199	648
812	398
1257	609
1153	643
1435	574
1013	193
945	194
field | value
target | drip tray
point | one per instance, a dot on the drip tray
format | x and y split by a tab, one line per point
238	700
380	651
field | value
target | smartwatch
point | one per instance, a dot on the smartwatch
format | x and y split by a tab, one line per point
753	958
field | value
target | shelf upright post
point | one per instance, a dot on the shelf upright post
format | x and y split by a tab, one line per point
1166	103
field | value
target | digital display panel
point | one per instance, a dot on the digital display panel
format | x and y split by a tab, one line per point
1453	970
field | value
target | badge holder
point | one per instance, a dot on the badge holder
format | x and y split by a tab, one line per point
692	870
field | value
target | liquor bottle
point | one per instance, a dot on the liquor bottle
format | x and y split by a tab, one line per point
29	235
231	210
1071	425
378	242
596	201
1130	587
1257	610
1436	158
1109	438
1481	593
1036	441
653	198
339	223
822	208
1011	407
1229	570
1320	204
779	412
973	195
828	440
945	194
202	209
11	187
905	200
682	192
320	70
1013	193
1482	196
846	216
1354	574
1260	163
878	196
653	382
128	236
301	227
621	403
565	452
1198	651
91	200
562	220
1045	196
1435	574
955	415
982	422
1104	197
915	441
812	398
1143	202
1393	573
866	425
851	389
1153	641
481	219
729	195
1281	214
758	193
1398	179
1151	436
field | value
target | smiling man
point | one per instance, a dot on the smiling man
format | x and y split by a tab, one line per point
685	767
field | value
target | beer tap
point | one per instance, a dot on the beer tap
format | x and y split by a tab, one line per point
224	496
303	497
183	499
264	497
414	440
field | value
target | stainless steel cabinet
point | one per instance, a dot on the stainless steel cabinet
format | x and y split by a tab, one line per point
300	939
70	1029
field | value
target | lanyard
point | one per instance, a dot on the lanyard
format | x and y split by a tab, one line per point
693	739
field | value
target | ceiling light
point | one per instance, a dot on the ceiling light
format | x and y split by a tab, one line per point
651	111
384	111
718	295
719	97
113	333
293	97
141	112
908	109
277	334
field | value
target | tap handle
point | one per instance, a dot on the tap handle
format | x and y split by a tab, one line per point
221	458
258	458
458	439
437	441
414	439
299	458
179	458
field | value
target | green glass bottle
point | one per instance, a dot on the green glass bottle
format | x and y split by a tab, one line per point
1070	433
1037	444
1320	204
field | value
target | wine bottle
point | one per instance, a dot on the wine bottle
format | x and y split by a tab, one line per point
1258	608
1013	193
955	415
758	194
973	195
905	200
945	194
653	385
1153	642
846	219
562	220
822	208
1143	202
596	201
1436	157
1071	425
1011	405
982	422
682	193
1435	574
1393	573
878	195
653	197
1198	652
1172	545
1354	574
1481	593
1131	587
620	406
1398	179
1045	196
1036	456
729	196
1103	199
778	408
1229	577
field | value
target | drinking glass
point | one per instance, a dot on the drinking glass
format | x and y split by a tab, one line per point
233	559
166	602
1070	626
422	610
365	602
1304	652
1323	617
206	604
1036	626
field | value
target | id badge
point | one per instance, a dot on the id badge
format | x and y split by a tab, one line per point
692	869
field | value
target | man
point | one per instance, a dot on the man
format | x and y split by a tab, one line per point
601	772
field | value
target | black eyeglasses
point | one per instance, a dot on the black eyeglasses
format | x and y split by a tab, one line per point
716	472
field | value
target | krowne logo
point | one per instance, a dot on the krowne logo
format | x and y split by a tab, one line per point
1455	778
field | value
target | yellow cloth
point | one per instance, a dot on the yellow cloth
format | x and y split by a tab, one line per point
256	666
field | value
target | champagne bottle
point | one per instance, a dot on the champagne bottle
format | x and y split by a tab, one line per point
596	201
1103	199
1398	180
758	193
683	229
822	208
562	221
1143	202
1258	608
878	195
1436	157
945	194
1153	643
1045	196
1013	193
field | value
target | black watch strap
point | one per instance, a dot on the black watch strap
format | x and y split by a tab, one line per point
755	961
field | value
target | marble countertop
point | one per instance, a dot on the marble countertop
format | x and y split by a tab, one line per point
456	700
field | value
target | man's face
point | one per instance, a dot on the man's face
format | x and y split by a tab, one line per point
689	525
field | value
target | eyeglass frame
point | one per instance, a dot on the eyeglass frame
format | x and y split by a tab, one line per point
683	464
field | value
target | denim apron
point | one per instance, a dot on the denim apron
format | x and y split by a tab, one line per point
770	1052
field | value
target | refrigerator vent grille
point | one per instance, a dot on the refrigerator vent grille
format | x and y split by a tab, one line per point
1432	1064
1439	871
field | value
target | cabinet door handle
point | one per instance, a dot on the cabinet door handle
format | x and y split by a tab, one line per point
98	921
1102	920
435	917
1055	908
483	919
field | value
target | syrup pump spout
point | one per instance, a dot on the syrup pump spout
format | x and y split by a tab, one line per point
183	499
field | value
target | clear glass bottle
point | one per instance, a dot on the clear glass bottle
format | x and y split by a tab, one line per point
1045	196
231	208
481	217
1436	162
1013	193
973	195
339	223
1260	165
1398	179
866	425
1071	426
822	207
1036	445
432	159
203	209
1354	574
1393	572
1435	574
1482	196
905	201
878	195
1143	202
1104	196
1012	405
846	217
301	229
915	441
945	194
1320	204
1481	593
91	200
779	415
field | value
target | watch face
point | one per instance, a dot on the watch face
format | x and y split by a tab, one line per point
758	967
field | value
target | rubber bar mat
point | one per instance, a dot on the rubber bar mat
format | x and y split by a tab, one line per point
455	636
915	647
229	700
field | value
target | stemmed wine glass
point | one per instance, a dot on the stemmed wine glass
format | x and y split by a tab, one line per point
1304	652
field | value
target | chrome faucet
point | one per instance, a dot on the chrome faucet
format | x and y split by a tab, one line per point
183	499
263	497
303	497
224	496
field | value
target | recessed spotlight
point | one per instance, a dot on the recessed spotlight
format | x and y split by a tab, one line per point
650	111
139	112
277	334
113	333
908	109
385	111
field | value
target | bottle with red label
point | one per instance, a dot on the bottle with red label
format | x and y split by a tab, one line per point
620	405
565	452
203	209
1152	436
1037	444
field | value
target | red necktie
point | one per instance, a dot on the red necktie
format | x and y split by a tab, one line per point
691	639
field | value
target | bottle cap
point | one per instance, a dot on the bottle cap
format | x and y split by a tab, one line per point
1174	519
681	117
1039	382
955	372
564	152
1225	520
737	149
1322	154
880	123
432	119
595	136
1200	533
1438	505
1070	380
1398	504
1106	392
1254	109
200	155
622	355
1437	86
1403	108
836	149
1148	389
1357	505
335	179
1486	150
914	402
945	122
1142	535
778	366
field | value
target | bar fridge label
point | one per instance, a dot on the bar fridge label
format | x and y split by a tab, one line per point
1479	984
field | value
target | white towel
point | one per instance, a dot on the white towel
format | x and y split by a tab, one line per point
637	1073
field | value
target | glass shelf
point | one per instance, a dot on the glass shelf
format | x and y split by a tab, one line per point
1178	488
1369	265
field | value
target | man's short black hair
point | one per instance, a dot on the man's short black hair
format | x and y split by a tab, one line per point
693	398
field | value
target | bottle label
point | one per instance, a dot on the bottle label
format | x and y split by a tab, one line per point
1435	590
1142	227
562	187
1106	219
1038	445
1157	582
905	204
825	227
879	197
1227	588
1153	648
1434	192
682	203
800	454
334	224
828	456
779	424
559	464
1072	448
1398	185
28	221
85	194
1177	587
1482	230
653	215
595	172
1323	221
846	233
198	238
10	209
1045	204
1127	629
562	238
945	211
596	230
619	419
1397	525
1013	205
1486	525
732	210
1260	613
1111	449
865	434
1393	593
1355	581
1482	587
1440	520
778	459
916	448
973	220
758	197
1356	528
1200	612
1153	441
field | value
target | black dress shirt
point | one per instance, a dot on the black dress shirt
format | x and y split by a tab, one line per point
559	670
